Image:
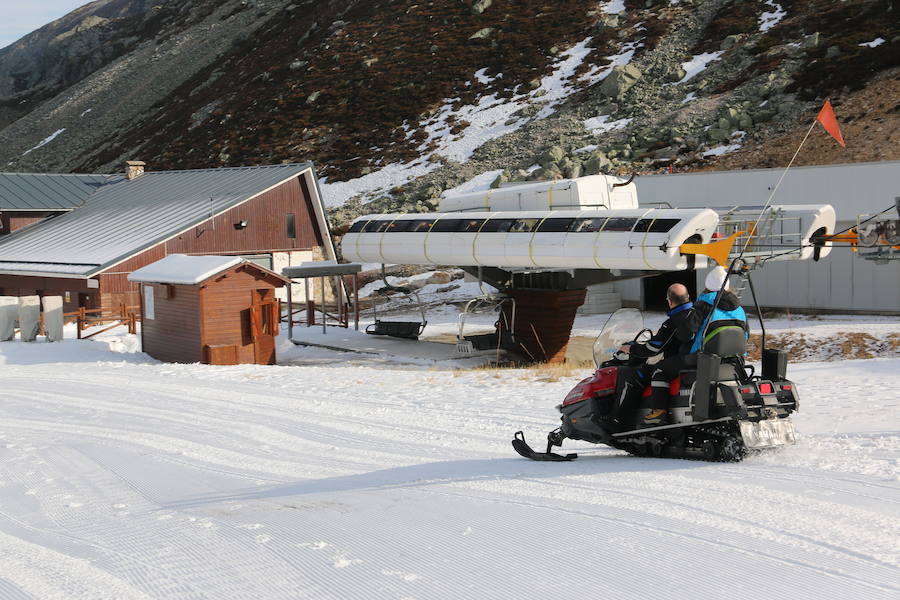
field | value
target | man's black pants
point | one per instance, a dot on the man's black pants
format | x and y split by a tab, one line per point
660	375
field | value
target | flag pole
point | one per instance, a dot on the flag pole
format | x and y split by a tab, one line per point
775	189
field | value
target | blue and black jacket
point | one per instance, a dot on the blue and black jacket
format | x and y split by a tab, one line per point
674	336
729	313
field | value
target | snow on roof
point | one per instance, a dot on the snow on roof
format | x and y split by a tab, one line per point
181	269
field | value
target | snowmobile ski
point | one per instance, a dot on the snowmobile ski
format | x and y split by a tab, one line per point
525	450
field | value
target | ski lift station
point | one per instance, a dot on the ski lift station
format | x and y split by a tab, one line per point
543	244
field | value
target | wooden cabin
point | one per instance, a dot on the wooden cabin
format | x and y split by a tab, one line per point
217	310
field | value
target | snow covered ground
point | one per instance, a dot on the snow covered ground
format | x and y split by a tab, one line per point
343	477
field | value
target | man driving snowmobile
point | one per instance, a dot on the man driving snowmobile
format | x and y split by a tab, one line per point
672	340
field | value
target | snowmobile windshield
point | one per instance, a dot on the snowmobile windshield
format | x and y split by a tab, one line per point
621	327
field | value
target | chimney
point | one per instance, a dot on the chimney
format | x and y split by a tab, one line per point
134	169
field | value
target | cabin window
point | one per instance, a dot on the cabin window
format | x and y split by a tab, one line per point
619	224
473	225
448	225
378	226
291	222
420	226
524	225
398	226
170	292
656	225
555	225
357	226
497	225
588	225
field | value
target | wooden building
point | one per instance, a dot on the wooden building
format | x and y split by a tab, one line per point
216	310
86	233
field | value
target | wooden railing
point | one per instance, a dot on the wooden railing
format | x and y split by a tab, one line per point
86	318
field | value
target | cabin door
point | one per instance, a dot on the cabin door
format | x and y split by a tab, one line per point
264	325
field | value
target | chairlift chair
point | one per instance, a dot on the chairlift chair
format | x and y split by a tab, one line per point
502	337
410	330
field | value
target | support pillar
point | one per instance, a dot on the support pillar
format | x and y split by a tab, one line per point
543	322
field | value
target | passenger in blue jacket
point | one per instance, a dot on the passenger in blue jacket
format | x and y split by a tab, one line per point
729	311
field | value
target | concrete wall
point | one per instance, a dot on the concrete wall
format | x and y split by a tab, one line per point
842	281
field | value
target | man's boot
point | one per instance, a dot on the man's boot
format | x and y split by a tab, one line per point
659	400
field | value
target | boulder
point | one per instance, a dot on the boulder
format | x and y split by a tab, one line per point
482	34
570	168
762	116
553	155
717	134
811	41
480	6
500	180
441	277
620	81
731	40
596	164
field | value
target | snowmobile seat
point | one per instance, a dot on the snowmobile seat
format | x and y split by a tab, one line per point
725	341
729	343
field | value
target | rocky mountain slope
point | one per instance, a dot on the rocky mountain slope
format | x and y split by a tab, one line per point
398	101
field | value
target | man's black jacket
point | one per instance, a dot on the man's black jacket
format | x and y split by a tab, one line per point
674	336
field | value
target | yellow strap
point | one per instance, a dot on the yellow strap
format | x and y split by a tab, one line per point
381	239
487	199
531	241
644	241
475	239
596	239
425	241
551	195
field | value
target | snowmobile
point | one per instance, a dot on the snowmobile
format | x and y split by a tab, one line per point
719	409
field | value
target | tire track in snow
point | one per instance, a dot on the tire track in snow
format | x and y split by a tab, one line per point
735	546
773	532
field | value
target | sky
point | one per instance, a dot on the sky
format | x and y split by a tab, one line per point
21	17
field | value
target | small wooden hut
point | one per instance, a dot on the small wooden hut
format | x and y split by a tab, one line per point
218	310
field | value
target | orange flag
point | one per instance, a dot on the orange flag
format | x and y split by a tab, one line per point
829	122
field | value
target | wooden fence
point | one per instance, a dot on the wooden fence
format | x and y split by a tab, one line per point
93	317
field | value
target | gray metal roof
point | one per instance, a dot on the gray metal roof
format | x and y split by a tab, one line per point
44	191
125	217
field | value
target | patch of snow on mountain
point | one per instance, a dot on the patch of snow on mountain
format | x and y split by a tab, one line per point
599	72
482	77
600	125
874	43
489	118
479	183
45	141
723	149
615	7
697	64
770	19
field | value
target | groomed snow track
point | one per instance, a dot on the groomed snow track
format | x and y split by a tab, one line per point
132	479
